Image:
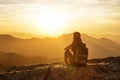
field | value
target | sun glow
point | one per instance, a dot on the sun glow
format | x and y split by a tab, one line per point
51	22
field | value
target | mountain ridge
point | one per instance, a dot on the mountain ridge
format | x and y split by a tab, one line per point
54	46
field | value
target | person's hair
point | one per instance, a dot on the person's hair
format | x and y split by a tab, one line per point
76	35
77	41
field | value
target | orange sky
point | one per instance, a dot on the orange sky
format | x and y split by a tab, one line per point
57	17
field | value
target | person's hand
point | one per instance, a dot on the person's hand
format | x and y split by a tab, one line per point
65	49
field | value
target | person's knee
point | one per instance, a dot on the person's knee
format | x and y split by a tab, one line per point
67	53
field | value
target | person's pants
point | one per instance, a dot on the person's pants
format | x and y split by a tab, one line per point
69	59
75	59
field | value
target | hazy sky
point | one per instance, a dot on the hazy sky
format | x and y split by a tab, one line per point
87	16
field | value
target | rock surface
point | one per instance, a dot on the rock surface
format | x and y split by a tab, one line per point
96	69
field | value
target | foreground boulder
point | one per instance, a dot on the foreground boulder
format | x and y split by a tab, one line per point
96	69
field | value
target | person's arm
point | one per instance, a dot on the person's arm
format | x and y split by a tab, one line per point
68	47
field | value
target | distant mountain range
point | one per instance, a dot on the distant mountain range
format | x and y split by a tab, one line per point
24	35
114	37
54	47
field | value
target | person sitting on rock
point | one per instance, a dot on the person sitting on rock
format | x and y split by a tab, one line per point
77	52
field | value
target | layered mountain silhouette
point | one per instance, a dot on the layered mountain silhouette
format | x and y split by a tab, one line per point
54	47
24	35
8	59
114	37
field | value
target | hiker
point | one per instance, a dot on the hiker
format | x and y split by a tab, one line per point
77	52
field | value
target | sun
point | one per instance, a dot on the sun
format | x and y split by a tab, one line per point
51	22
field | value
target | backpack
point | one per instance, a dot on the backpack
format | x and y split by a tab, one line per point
81	55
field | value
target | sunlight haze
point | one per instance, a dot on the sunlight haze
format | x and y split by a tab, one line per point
56	17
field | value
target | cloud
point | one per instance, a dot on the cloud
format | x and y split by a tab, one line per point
79	8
